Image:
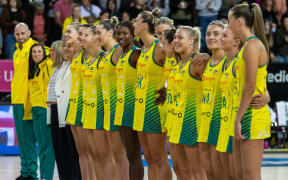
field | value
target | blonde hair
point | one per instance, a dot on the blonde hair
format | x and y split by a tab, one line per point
194	33
59	57
150	18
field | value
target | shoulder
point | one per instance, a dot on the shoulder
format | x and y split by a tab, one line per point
135	54
159	50
254	46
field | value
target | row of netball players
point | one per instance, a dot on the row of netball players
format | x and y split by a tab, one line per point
119	103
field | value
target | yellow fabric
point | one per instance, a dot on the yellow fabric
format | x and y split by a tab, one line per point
39	84
19	84
170	69
69	20
109	83
148	117
211	102
93	108
126	80
186	121
76	87
227	82
255	122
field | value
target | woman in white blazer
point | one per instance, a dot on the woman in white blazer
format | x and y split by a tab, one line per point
58	96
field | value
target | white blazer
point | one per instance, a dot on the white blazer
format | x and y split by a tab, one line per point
62	88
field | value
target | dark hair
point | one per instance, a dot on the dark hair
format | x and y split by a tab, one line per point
19	4
110	24
86	25
92	29
33	68
150	18
253	18
127	24
282	20
169	35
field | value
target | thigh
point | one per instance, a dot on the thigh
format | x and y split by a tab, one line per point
252	154
145	146
193	155
130	141
181	155
115	141
157	144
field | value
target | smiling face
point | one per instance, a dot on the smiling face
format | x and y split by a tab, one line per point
160	31
124	36
102	35
68	51
213	35
89	39
37	54
81	36
182	41
71	34
22	34
227	40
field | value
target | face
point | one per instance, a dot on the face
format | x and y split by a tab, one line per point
22	34
125	16
76	12
227	39
124	36
285	23
71	34
111	5
181	41
13	3
52	53
102	34
37	54
68	51
138	25
233	23
104	16
168	47
160	31
86	2
89	39
213	35
267	27
81	36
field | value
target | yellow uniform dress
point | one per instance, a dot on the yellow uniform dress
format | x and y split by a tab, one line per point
211	103
255	123
93	106
227	81
74	110
186	121
126	81
107	70
148	117
169	73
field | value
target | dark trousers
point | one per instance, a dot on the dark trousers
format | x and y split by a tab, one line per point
66	155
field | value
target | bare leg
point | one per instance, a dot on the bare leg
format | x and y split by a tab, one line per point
193	155
205	155
252	154
155	152
216	163
133	150
119	155
226	170
237	159
103	161
175	162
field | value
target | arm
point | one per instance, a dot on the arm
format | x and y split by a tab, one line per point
159	55
260	100
134	57
251	57
200	58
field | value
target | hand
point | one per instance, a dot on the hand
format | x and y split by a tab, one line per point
237	130
199	59
160	100
259	100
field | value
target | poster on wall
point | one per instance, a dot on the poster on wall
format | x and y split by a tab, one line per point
6	74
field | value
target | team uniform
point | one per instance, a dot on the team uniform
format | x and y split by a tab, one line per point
227	81
93	106
148	117
109	91
211	103
186	121
38	97
126	80
74	110
170	69
255	122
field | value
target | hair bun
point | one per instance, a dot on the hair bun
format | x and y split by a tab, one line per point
156	12
114	21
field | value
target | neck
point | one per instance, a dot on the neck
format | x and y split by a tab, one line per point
109	46
147	39
77	49
127	48
246	34
230	54
76	19
186	56
94	51
217	54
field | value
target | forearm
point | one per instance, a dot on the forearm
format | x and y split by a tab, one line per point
245	100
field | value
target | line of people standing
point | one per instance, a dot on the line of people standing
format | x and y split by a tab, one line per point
103	106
